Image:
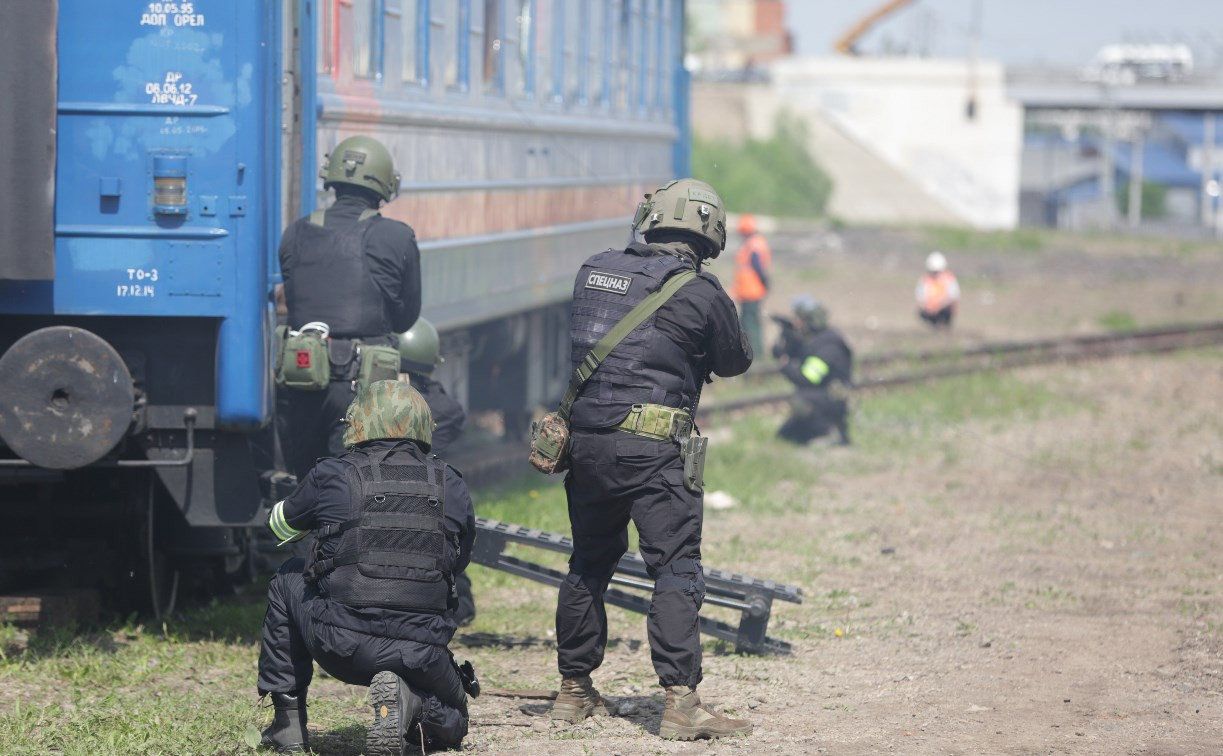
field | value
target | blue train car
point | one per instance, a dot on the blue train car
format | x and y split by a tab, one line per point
154	150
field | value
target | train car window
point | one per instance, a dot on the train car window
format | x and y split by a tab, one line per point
444	40
326	33
666	54
492	28
363	45
574	40
410	57
653	43
597	51
545	43
519	37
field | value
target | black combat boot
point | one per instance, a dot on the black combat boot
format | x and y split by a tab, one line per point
288	731
397	711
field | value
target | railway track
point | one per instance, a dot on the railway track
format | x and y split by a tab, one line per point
889	369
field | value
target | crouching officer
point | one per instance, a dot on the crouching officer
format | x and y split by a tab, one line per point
628	424
353	278
419	354
819	363
373	605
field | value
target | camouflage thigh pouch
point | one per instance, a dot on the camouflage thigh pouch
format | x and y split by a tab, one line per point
550	444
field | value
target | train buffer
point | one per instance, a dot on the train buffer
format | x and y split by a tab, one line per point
751	597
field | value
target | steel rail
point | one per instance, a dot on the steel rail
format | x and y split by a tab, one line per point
1005	356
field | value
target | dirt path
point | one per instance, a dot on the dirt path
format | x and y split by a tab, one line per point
1046	582
1049	586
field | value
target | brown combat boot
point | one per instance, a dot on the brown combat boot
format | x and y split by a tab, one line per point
686	718
578	699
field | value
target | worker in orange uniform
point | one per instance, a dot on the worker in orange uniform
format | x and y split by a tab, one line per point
753	264
938	293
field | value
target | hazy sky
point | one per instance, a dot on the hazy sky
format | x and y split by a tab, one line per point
1060	32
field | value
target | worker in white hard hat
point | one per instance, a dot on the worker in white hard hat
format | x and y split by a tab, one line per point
938	292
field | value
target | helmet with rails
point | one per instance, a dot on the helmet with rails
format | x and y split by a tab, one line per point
361	161
420	348
688	206
810	311
390	410
935	262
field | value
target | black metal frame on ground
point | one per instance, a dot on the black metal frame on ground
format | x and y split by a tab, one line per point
751	597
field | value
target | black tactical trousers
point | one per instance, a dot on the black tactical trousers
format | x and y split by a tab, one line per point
311	424
295	634
614	477
814	414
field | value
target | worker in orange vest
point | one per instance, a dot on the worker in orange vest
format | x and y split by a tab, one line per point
938	292
753	264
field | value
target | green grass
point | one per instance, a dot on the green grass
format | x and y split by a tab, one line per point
1117	320
187	687
776	176
956	239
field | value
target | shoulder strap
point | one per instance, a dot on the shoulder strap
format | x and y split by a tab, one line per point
634	318
318	217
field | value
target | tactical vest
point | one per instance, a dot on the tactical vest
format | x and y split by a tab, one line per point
646	367
392	552
331	281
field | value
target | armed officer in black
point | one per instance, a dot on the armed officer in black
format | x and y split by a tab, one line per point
373	605
819	362
628	423
354	271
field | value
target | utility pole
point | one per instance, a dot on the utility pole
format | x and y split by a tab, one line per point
974	50
1208	169
1135	208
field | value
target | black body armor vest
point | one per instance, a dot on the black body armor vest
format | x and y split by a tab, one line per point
331	282
392	552
646	367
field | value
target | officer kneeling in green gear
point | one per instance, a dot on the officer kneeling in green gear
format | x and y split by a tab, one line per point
419	354
374	603
634	454
819	363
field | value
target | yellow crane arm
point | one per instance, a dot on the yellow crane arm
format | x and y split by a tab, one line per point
847	43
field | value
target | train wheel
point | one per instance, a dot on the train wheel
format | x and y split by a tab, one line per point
163	574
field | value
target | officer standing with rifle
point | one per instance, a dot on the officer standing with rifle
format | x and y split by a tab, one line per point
819	363
373	603
419	354
633	453
351	283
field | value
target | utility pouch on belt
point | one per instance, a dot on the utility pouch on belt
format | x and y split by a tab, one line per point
378	363
303	362
692	450
550	436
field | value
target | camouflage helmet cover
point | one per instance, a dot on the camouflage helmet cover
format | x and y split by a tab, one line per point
388	410
685	205
361	161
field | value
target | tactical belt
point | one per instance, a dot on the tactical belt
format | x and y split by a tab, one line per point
658	422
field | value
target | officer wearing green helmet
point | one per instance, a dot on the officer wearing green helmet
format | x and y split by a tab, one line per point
631	443
374	603
819	362
349	274
419	354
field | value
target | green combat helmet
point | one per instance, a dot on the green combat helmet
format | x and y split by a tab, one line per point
685	205
361	161
810	311
420	348
388	410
